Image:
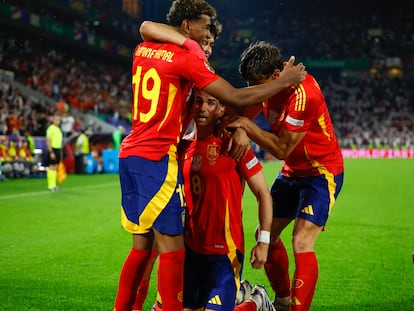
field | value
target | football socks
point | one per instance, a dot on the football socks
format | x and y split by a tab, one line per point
277	269
304	281
130	277
171	279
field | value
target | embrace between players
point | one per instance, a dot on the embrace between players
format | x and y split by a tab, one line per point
206	274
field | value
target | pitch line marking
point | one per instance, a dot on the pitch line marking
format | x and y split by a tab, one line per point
30	194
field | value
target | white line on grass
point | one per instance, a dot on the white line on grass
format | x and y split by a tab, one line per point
31	194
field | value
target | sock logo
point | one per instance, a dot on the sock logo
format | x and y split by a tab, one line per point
298	283
295	301
180	296
307	210
215	300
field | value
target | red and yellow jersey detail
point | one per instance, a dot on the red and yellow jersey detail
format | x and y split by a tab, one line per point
214	185
302	108
161	83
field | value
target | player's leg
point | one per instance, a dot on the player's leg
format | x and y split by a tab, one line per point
277	265
317	197
146	189
143	287
170	270
169	229
51	174
132	271
285	197
192	280
306	265
220	280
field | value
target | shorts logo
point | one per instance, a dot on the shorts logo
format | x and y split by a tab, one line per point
307	210
215	300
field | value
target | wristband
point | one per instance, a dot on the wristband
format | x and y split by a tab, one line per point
264	237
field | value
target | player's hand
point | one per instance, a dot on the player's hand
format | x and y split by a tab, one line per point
258	255
194	48
239	141
239	144
291	73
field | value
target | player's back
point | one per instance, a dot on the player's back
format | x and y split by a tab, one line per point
302	108
161	82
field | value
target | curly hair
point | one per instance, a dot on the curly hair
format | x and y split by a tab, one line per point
215	29
189	9
259	60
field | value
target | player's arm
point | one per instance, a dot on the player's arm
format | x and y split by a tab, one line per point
280	145
152	31
259	188
247	96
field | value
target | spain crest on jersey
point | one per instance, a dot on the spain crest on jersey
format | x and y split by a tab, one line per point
212	153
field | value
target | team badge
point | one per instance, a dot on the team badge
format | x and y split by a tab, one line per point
212	153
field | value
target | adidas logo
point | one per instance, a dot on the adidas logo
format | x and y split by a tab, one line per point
307	210
215	300
295	301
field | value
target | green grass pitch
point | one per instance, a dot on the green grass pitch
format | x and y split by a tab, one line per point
64	251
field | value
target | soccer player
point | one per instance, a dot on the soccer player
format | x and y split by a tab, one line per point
214	185
151	184
310	180
161	32
54	143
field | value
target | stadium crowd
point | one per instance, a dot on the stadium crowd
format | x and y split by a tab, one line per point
368	110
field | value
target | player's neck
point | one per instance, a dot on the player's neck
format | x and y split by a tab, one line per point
204	132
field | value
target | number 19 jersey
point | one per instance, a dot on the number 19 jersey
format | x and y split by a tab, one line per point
162	77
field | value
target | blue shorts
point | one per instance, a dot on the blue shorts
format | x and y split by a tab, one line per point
310	198
152	195
212	281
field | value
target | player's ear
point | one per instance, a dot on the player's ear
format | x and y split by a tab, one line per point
185	26
221	110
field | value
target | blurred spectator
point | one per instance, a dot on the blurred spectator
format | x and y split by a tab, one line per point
25	159
117	136
82	149
368	111
13	122
30	142
5	160
67	124
3	127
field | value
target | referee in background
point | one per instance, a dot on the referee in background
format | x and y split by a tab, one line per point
54	142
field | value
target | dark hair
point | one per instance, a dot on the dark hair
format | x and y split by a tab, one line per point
215	29
259	61
189	9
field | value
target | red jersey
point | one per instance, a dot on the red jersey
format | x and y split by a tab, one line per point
213	185
162	77
302	108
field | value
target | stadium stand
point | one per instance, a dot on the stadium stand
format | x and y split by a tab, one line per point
78	53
